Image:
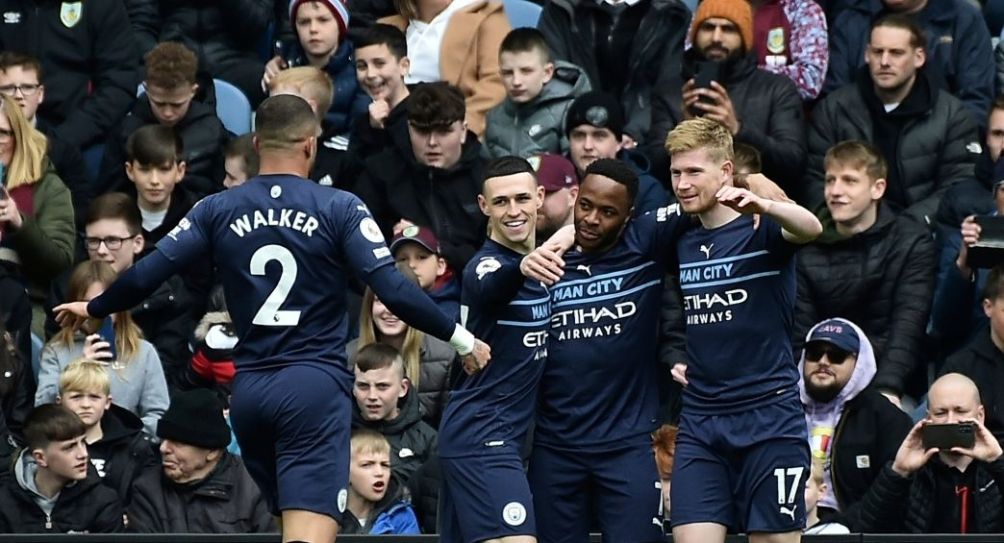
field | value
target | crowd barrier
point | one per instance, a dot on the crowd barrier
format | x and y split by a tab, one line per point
595	538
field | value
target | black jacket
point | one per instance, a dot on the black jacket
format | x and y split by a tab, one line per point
15	404
123	452
203	139
69	165
98	50
983	362
881	279
767	105
412	441
395	186
424	489
570	29
227	501
937	146
220	33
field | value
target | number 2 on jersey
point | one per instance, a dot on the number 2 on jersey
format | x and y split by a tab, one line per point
269	313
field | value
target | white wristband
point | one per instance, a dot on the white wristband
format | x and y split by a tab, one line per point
462	340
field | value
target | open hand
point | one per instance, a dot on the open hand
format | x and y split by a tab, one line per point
742	200
72	315
544	264
911	455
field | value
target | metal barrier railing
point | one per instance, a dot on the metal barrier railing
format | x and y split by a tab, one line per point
595	538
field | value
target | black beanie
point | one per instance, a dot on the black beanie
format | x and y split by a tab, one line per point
596	109
195	417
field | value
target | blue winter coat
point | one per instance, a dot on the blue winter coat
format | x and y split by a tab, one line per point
350	100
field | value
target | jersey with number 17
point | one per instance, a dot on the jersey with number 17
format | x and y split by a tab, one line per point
283	248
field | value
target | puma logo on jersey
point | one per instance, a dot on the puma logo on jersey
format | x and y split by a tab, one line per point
706	249
585	268
790	512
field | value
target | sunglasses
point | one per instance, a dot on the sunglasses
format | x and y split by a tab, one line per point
814	353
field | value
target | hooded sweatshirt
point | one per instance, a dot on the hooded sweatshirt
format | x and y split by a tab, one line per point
412	441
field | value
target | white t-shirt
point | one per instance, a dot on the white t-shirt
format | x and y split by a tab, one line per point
152	219
824	528
425	40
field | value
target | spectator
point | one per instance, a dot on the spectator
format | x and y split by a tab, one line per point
815	490
427	360
853	429
55	488
382	64
746	159
137	378
240	161
594	125
21	79
117	447
458	42
940	491
169	100
387	403
321	29
625	49
869	266
201	488
377	502
982	359
561	186
89	60
419	249
790	39
15	398
758	107
36	214
926	136
433	183
531	119
956	46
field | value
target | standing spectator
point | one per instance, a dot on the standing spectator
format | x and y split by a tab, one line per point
89	59
624	47
789	37
926	135
869	266
200	488
759	108
953	35
377	502
456	41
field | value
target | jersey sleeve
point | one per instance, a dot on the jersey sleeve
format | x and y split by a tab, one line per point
190	239
772	235
657	231
490	280
361	239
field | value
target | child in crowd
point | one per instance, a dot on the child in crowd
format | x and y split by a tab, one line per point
377	504
240	161
815	489
531	119
155	165
117	447
381	66
418	248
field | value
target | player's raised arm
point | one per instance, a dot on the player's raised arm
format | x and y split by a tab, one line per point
798	224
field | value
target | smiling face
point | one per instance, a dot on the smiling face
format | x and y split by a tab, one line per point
380	74
697	178
511	203
602	211
852	196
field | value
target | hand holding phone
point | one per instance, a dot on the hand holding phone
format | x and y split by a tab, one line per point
946	436
107	335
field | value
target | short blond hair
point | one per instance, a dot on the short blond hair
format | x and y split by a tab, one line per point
701	133
366	441
859	155
85	375
309	83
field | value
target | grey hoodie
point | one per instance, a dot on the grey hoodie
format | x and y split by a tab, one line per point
25	471
539	125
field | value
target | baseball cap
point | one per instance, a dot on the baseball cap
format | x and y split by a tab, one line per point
416	234
554	172
838	333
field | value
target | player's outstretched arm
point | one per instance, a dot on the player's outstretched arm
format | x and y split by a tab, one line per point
798	224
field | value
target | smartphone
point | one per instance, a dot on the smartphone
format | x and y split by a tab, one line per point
946	436
707	72
107	333
989	250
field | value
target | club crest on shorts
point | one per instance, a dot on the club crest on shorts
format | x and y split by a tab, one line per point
343	500
70	12
514	514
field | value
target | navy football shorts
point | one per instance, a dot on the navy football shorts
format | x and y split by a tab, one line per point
484	497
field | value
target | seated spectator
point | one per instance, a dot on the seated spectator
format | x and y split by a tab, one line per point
200	488
21	79
927	136
387	403
664	444
868	266
790	39
746	159
117	447
240	161
36	211
815	490
169	100
377	503
594	125
942	491
55	489
759	108
321	29
531	119
956	43
456	41
625	48
137	377
427	360
561	186
982	359
434	182
853	429
381	65
89	59
15	398
418	248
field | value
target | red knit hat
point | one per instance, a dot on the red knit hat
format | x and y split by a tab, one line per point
737	11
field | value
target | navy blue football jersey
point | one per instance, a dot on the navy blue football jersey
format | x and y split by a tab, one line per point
492	409
599	386
738	293
284	248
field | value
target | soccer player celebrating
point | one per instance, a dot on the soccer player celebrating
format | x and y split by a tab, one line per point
488	414
284	247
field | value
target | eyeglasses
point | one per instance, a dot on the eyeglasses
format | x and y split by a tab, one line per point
814	353
25	90
111	242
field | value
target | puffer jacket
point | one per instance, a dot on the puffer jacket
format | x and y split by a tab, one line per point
123	452
392	515
350	100
538	126
881	279
412	441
